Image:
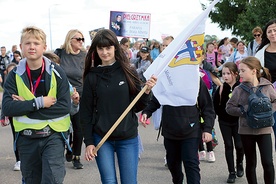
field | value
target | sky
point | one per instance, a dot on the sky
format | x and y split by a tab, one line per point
167	17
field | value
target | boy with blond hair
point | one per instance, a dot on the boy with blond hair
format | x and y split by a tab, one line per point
37	96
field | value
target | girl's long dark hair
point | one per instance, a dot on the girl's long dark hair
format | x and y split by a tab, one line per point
222	41
106	38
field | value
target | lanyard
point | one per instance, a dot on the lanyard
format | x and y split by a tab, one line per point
34	87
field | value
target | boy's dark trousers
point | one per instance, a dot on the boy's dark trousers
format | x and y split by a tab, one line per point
42	159
186	152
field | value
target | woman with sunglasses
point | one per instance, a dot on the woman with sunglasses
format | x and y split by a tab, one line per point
72	56
254	44
125	44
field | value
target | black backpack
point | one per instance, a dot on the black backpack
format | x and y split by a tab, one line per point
58	52
259	113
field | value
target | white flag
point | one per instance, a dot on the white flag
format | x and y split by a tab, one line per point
177	66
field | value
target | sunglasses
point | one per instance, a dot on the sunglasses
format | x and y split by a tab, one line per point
79	39
257	35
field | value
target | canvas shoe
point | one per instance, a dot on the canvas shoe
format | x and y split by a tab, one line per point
211	156
202	155
17	166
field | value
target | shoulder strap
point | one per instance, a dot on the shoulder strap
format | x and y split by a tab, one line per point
220	89
94	93
216	57
245	87
260	88
235	54
220	92
94	85
251	45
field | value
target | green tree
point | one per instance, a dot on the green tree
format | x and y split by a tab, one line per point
258	13
210	38
241	16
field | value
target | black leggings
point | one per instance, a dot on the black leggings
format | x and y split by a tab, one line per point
77	134
231	138
209	146
265	147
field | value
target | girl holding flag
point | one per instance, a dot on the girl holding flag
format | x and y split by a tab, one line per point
110	84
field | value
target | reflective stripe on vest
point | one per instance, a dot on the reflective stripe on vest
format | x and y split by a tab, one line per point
60	124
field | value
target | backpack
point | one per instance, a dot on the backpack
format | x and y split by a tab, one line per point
58	52
214	138
206	78
259	113
235	54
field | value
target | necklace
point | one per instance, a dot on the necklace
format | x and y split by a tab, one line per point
230	94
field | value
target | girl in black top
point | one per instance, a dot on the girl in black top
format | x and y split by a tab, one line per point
110	84
229	124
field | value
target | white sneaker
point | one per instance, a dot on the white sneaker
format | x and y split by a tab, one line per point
211	156
202	155
17	166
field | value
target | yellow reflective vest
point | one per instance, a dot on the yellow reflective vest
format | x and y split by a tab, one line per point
60	124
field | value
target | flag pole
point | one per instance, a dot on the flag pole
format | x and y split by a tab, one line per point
178	42
120	119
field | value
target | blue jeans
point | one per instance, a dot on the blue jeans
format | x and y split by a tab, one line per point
185	151
127	155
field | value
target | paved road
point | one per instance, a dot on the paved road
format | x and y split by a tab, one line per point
151	165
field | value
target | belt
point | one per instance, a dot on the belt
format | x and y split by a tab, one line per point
45	132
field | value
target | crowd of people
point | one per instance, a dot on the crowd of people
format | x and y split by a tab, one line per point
55	101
